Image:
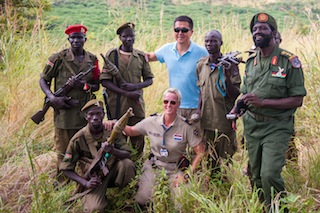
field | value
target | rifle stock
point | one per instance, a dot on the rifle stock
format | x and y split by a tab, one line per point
38	117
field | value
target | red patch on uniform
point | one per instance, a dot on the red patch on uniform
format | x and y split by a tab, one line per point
274	60
255	61
50	63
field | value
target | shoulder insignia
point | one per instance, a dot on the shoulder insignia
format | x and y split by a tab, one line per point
295	61
286	53
67	156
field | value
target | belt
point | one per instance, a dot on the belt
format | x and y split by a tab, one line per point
264	118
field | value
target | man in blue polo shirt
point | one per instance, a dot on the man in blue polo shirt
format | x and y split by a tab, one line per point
181	58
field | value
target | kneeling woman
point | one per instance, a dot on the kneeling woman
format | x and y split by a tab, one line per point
169	136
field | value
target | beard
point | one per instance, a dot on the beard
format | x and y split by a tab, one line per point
264	42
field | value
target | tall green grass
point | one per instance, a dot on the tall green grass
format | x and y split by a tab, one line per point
26	168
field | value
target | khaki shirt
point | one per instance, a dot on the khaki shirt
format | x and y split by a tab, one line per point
214	106
174	139
55	69
83	147
136	70
281	77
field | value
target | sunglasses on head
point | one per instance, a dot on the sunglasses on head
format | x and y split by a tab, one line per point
183	30
171	102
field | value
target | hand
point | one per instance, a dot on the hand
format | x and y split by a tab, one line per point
195	117
60	102
107	147
252	99
146	57
135	95
178	180
93	182
75	83
108	125
129	86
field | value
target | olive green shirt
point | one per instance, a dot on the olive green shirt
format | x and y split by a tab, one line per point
136	70
55	69
214	106
174	138
282	77
84	147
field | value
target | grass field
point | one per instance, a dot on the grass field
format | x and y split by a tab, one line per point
26	149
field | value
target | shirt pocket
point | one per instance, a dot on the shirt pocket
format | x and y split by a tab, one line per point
277	86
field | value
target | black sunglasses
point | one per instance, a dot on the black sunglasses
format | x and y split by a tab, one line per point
183	30
171	102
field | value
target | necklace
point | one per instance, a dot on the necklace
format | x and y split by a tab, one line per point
125	53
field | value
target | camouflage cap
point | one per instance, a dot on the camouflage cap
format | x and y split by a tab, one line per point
93	102
263	18
128	25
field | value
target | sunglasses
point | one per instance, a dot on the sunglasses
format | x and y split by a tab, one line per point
171	102
183	30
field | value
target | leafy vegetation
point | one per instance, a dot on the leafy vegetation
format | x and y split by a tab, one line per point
26	156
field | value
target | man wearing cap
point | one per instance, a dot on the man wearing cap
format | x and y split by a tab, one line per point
63	67
137	75
181	59
273	89
83	148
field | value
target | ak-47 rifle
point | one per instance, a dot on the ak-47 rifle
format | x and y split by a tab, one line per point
39	116
98	164
113	70
229	58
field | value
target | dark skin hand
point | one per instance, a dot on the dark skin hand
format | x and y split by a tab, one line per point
57	102
93	182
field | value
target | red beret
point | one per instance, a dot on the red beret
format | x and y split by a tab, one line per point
77	28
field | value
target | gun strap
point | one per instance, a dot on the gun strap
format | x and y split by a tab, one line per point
105	98
222	89
67	64
116	58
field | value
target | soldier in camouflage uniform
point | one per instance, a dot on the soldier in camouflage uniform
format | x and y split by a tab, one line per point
273	89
